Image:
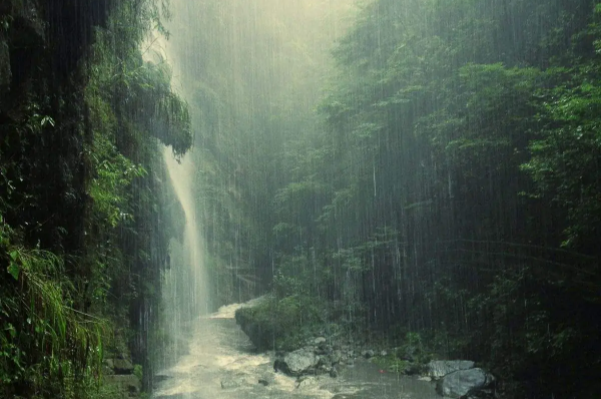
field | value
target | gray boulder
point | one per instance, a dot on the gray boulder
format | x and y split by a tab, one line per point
297	363
440	368
463	382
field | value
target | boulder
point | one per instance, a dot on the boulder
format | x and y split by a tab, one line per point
440	368
297	363
157	380
307	382
320	340
463	382
123	366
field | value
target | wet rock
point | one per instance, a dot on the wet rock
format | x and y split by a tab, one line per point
440	368
122	366
298	363
260	333
320	340
159	379
306	382
463	382
414	368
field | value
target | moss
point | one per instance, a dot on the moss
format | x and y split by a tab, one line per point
282	324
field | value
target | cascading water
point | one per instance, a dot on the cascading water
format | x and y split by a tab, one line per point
185	290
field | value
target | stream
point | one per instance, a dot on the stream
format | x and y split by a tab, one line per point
222	364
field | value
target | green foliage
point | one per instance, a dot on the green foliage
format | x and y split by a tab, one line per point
411	357
138	371
453	188
43	338
392	363
81	248
565	155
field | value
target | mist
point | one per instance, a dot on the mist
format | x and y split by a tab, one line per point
335	199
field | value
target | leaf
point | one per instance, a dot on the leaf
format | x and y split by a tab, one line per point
12	331
14	270
47	120
14	255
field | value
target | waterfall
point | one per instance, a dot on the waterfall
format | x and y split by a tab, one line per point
185	289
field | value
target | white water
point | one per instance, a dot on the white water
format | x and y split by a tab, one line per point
221	363
192	251
185	286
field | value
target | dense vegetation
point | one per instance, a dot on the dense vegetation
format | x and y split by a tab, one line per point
449	184
83	238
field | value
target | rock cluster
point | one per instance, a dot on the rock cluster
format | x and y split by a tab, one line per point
317	357
119	372
460	379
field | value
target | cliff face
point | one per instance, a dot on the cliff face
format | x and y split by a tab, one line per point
42	119
82	192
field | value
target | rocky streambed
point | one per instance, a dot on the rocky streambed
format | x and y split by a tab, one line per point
222	363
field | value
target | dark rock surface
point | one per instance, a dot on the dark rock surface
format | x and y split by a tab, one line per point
463	382
440	368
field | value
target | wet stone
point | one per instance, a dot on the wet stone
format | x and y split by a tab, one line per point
297	363
123	366
464	382
440	368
